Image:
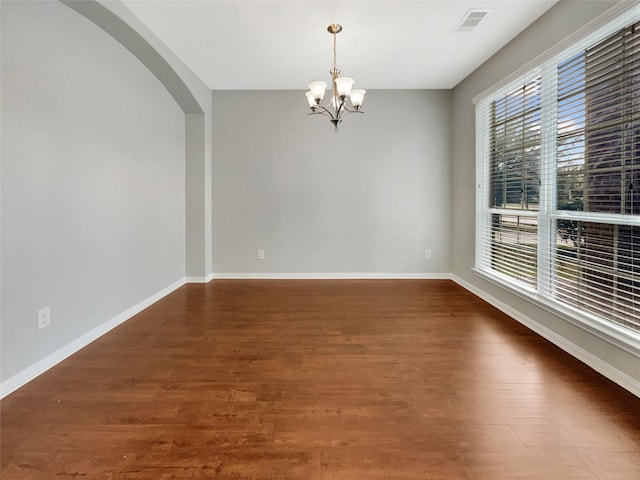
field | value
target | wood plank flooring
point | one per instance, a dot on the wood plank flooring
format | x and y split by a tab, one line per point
331	380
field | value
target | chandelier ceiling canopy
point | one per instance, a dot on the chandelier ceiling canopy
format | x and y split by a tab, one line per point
341	90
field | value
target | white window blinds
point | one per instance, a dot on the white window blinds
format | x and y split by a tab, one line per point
513	180
558	207
598	171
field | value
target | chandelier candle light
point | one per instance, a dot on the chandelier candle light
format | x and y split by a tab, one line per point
341	87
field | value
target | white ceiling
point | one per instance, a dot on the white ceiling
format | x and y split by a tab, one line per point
263	45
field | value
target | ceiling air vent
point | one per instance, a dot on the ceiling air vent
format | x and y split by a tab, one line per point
471	20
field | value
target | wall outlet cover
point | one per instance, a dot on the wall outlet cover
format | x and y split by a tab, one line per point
44	318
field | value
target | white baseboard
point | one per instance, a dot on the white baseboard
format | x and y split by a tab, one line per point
206	279
625	381
25	376
599	365
332	276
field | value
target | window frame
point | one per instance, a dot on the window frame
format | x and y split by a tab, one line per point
543	294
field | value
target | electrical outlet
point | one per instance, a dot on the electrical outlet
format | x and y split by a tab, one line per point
427	253
44	318
260	254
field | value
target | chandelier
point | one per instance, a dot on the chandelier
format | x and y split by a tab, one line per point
341	89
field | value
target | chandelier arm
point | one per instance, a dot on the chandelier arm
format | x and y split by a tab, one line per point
352	111
322	113
343	110
325	111
341	107
347	112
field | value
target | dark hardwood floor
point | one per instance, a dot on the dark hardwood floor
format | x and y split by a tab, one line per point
335	380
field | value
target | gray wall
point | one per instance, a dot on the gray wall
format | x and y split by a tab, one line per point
369	199
193	96
555	25
93	180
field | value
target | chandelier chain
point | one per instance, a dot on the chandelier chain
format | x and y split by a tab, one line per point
335	66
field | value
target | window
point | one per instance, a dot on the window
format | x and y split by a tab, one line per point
514	181
558	206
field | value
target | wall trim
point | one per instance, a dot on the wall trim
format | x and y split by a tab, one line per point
604	368
25	376
206	279
141	47
617	336
332	276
